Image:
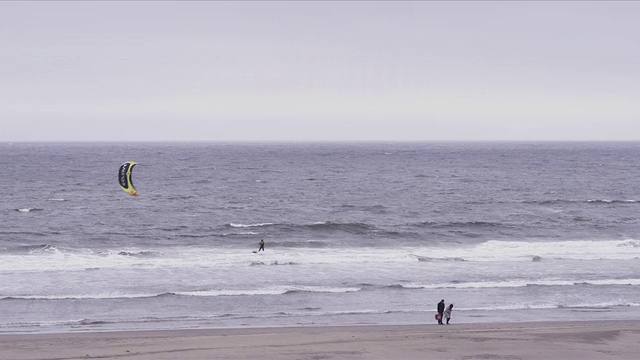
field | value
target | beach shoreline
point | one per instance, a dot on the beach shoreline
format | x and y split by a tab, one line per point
532	340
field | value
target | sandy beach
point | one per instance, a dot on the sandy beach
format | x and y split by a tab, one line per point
545	340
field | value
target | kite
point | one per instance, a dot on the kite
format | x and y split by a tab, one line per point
124	176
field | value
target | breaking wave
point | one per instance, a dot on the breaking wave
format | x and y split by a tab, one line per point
280	290
250	225
517	283
587	201
26	210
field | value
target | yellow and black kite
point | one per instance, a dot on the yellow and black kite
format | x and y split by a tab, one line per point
124	176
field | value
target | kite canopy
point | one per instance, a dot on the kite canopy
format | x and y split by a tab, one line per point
124	177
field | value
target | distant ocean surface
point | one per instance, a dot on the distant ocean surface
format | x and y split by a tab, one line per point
354	233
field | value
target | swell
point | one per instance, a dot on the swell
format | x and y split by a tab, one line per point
286	291
460	224
321	229
196	293
516	284
583	201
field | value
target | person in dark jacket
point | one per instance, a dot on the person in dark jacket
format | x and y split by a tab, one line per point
440	311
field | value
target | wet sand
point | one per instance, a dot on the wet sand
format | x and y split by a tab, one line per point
544	340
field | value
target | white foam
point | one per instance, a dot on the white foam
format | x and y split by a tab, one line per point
81	296
277	290
523	283
250	225
602	304
230	292
522	250
194	257
587	305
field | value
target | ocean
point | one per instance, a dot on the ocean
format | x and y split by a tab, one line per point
355	234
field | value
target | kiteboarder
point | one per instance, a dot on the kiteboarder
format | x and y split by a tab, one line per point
440	311
261	243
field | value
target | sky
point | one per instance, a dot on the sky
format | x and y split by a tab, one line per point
319	71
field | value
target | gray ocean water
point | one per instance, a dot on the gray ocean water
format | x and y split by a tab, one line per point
354	233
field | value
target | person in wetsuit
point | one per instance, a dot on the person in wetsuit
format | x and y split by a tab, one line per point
261	243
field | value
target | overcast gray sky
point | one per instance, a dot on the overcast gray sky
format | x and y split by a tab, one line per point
324	70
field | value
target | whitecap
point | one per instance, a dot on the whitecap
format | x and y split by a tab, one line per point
250	225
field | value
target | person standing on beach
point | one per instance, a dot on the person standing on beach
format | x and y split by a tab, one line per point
440	311
261	243
447	313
